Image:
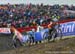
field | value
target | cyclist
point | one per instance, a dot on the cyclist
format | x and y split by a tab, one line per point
51	27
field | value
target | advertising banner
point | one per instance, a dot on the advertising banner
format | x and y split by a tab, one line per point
38	36
5	30
68	28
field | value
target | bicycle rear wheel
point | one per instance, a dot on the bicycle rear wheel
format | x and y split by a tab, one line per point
59	34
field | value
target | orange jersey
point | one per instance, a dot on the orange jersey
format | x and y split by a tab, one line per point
50	26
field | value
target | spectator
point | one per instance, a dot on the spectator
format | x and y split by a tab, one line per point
20	15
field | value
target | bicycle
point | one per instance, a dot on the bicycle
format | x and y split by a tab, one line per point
56	32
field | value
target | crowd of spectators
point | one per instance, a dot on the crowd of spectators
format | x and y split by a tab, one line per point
21	15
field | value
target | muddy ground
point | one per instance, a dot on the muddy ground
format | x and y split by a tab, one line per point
65	46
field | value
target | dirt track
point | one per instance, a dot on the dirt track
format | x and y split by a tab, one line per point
5	42
63	46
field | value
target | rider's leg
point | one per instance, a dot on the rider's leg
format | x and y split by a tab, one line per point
53	34
49	37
